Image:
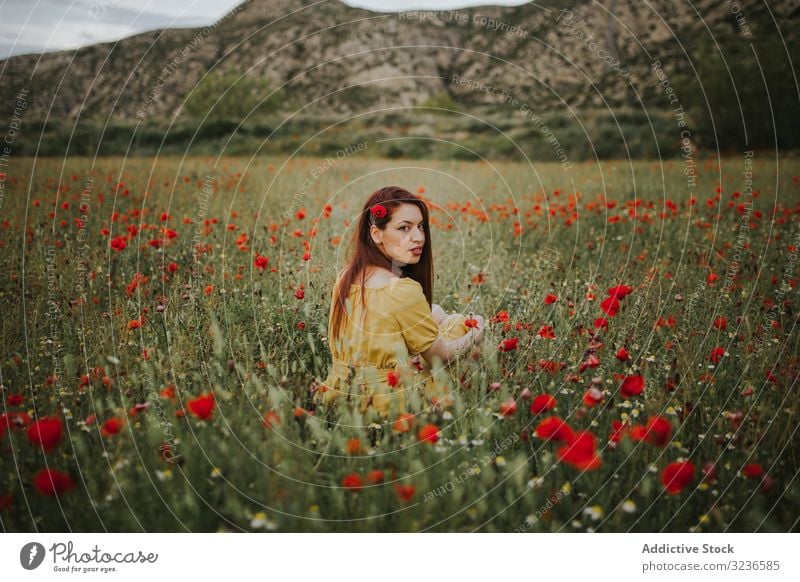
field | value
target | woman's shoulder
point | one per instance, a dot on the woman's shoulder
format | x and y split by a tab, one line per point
406	289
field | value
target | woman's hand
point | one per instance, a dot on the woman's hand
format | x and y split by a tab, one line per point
438	313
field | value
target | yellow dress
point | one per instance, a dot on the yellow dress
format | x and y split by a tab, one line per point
372	359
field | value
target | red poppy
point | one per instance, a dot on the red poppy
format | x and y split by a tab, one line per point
52	482
393	379
112	426
261	262
753	471
202	406
14	399
501	317
471	322
622	355
580	451
405	492
300	294
546	332
601	322
721	322
352	482
617	431
403	423
508	345
620	291
118	243
592	397
543	402
554	429
657	431
428	434
378	211
45	433
271	419
716	354
631	386
677	476
610	305
508	408
549	299
637	432
592	361
375	476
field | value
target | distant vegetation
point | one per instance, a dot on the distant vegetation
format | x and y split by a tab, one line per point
746	94
415	133
231	94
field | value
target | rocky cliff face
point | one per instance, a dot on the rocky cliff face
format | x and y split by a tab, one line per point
332	58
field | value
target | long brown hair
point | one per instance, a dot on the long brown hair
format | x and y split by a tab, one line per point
365	253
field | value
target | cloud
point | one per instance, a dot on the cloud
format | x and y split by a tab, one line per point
48	25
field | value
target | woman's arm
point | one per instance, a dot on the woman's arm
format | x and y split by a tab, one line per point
439	314
446	350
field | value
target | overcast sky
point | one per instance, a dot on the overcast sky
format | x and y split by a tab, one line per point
33	26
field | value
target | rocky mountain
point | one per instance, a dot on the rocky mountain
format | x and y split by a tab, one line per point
335	59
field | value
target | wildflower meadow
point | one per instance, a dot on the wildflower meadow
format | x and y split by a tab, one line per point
164	330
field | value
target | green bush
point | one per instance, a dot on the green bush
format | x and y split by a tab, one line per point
229	94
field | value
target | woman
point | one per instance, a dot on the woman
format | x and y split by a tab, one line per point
382	313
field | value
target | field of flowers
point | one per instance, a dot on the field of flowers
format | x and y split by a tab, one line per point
164	328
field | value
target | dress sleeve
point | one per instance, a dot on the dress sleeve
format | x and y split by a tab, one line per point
414	316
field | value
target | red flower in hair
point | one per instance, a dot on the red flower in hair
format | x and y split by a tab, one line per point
378	211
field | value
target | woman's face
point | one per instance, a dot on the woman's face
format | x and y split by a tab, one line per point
402	235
